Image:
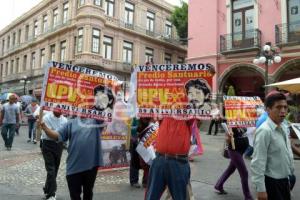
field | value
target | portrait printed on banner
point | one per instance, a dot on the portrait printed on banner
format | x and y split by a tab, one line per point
198	94
103	99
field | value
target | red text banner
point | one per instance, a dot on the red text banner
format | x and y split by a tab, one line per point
80	91
242	111
177	90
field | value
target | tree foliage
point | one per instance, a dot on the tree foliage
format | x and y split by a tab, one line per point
179	18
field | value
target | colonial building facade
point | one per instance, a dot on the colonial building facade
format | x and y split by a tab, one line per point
231	33
108	35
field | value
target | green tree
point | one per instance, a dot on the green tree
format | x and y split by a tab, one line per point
179	18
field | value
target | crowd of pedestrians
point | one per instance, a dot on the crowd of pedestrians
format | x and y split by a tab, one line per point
272	169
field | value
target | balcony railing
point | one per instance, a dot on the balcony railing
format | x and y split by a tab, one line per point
240	41
287	34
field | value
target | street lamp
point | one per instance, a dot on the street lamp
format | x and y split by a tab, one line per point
25	81
268	55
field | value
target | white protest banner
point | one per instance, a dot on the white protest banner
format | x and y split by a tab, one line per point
145	146
296	128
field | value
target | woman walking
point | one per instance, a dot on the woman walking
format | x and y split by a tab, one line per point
235	152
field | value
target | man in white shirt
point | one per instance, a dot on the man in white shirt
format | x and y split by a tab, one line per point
52	151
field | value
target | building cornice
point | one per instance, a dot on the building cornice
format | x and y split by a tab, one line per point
25	16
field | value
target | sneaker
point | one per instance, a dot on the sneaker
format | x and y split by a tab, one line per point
29	140
52	198
34	142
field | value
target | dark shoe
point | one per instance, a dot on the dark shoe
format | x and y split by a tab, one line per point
136	185
29	140
220	191
208	134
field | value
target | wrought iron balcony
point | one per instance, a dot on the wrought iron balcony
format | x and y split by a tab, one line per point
287	34
240	41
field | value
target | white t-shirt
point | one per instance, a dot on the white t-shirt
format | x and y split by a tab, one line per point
52	122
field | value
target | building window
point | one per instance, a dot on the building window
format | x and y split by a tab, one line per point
35	28
52	52
24	63
150	22
63	46
65	12
45	23
42	61
180	60
8	42
80	40
293	19
96	41
80	3
129	15
168	58
149	54
98	2
109	8
17	65
19	36
12	66
26	32
127	52
242	20
1	70
3	46
107	45
32	60
14	39
6	69
168	29
55	17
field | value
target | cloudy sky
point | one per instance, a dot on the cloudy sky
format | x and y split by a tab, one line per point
11	9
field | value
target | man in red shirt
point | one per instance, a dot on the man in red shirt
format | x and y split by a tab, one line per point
171	167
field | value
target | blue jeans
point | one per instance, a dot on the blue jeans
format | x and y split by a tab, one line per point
31	129
168	172
8	133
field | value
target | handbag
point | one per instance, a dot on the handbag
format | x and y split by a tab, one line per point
225	153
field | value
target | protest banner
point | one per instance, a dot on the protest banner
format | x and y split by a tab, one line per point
296	128
145	146
114	150
79	91
177	90
241	111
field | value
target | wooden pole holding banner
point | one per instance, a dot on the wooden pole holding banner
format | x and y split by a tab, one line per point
39	128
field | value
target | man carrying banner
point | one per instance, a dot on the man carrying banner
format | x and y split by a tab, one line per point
85	153
52	151
171	166
272	161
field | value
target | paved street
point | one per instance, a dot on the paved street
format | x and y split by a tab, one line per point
22	175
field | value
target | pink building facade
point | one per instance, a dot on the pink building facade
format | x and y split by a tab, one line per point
230	33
